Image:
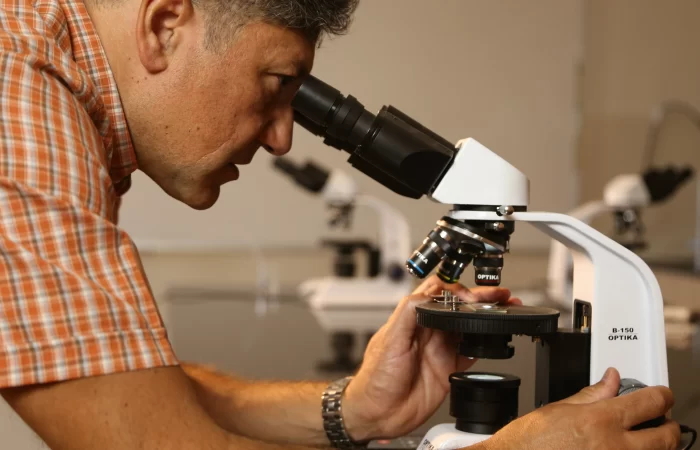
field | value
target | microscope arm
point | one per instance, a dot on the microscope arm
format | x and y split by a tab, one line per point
560	263
627	324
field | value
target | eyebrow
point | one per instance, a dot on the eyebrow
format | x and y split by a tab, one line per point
301	69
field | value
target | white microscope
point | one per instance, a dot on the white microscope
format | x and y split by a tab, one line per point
348	304
617	303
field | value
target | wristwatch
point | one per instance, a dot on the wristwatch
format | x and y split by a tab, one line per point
332	411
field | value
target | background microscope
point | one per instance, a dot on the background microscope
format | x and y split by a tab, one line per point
625	197
660	117
351	305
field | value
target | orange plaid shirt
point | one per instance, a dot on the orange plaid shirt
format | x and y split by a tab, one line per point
74	299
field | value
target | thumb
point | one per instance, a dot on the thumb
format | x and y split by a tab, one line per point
402	323
606	388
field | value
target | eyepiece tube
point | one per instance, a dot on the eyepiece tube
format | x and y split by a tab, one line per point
323	110
315	100
389	147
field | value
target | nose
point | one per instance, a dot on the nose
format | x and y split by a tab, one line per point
276	138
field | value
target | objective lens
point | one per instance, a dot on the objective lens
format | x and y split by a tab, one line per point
451	269
424	260
487	269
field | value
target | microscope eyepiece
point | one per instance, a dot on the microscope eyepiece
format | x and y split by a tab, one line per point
316	101
342	121
389	147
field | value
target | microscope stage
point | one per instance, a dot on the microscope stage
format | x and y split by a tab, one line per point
486	318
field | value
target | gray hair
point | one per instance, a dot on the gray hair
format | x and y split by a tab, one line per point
313	18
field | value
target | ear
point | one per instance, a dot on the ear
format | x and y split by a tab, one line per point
159	30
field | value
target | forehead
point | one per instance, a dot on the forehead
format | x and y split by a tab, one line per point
277	46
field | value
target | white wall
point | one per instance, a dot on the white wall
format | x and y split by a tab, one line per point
503	72
640	53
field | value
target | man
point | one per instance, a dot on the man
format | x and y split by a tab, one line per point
186	91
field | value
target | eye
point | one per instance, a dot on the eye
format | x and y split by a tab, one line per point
285	79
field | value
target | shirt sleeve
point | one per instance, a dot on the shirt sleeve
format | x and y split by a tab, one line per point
74	299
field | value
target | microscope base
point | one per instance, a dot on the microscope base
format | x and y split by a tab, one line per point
353	304
446	437
354	293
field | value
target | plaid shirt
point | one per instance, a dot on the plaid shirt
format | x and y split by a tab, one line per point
74	299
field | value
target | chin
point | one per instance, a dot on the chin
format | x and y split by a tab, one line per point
201	199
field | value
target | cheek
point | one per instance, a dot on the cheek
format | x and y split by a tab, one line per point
233	110
241	128
246	117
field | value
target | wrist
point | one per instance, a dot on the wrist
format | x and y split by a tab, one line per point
359	424
345	418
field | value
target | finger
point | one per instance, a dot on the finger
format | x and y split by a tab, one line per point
606	388
434	285
642	405
430	285
666	436
402	323
485	295
441	346
488	294
514	301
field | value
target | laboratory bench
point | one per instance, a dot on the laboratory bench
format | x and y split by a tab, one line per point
239	311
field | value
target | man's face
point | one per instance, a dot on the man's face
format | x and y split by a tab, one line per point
213	110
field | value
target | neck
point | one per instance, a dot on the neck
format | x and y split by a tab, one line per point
113	23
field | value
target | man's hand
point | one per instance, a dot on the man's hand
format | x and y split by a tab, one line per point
593	419
404	375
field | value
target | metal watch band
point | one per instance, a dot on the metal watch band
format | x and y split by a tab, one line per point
331	410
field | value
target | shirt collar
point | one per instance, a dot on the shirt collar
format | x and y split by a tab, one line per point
89	54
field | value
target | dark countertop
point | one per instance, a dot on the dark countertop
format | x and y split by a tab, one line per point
222	327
